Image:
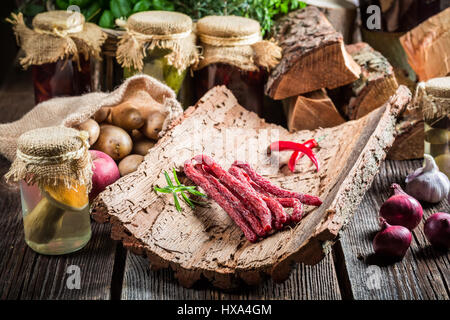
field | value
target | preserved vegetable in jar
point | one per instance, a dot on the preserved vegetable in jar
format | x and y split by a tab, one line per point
53	168
235	55
160	44
59	50
434	98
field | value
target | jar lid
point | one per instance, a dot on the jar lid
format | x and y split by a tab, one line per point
433	97
53	155
229	27
159	22
59	21
438	87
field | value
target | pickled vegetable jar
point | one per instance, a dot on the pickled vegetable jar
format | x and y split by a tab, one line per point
434	97
59	50
235	55
54	171
160	44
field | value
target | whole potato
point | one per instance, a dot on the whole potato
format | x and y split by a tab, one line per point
130	163
92	127
153	125
113	141
136	135
126	116
142	146
101	114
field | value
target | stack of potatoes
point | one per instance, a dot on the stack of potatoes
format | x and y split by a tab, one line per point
125	132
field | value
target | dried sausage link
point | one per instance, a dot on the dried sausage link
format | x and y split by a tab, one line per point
249	196
275	190
297	206
214	194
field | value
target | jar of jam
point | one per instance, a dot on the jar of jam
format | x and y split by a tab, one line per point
54	171
234	55
160	44
434	99
59	50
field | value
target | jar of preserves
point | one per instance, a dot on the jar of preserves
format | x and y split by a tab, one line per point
59	50
434	99
160	44
235	55
53	168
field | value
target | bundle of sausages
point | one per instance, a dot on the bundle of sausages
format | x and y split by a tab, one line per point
254	203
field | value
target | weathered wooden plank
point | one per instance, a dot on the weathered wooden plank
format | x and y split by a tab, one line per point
25	274
424	273
304	283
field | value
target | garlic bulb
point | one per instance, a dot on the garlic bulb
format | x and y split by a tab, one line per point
428	183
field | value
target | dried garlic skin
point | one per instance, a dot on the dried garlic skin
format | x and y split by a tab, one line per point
428	183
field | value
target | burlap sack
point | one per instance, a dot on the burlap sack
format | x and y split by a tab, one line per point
158	29
70	111
57	35
236	41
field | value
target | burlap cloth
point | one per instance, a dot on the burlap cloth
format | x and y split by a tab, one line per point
53	156
433	97
70	111
236	41
57	35
158	29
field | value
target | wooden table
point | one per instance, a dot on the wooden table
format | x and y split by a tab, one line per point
108	271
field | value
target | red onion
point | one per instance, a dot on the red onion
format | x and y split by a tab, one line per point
437	229
401	209
392	241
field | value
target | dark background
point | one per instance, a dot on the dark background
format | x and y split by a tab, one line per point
8	42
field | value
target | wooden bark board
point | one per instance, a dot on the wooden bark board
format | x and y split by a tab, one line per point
205	242
428	47
304	283
376	83
424	273
25	274
314	56
311	111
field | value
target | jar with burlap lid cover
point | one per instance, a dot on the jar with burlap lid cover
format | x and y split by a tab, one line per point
54	169
58	49
433	97
235	55
160	44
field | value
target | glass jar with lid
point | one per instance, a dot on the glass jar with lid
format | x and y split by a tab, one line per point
53	168
433	97
160	44
59	50
235	55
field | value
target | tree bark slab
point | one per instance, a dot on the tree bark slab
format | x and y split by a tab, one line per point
376	84
311	111
204	242
314	56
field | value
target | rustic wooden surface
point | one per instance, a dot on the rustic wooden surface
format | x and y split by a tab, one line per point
110	272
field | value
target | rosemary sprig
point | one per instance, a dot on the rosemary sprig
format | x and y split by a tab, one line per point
180	188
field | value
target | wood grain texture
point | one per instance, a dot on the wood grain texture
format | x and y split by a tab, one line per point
311	111
304	283
314	56
204	242
424	273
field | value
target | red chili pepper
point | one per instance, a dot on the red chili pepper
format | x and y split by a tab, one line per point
289	145
297	155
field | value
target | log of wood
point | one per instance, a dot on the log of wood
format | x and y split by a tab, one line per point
340	13
428	47
311	111
409	143
376	84
314	56
204	242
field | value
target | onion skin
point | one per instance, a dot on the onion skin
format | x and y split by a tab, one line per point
392	242
401	209
437	230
